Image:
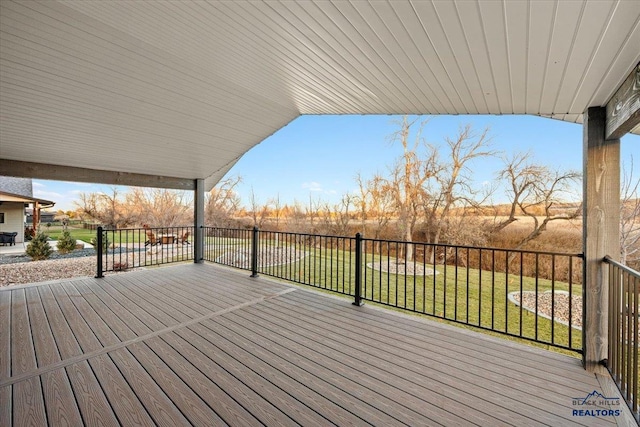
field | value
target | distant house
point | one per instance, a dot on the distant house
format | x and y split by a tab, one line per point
45	217
16	194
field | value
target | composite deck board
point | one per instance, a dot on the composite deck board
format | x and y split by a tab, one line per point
45	347
324	398
448	346
205	345
81	330
5	334
501	364
161	311
185	399
161	303
402	345
244	389
96	323
6	409
330	380
142	311
93	404
124	401
28	403
190	305
185	366
244	366
386	359
161	407
123	308
453	359
59	399
60	402
381	378
432	331
23	355
66	341
117	320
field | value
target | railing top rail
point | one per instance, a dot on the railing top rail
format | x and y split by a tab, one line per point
622	267
488	248
143	228
288	233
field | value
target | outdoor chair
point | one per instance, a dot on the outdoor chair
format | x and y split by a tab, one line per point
8	238
184	238
152	239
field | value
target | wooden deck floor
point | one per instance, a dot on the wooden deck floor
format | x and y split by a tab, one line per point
203	345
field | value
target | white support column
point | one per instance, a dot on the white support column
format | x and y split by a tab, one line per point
601	232
198	221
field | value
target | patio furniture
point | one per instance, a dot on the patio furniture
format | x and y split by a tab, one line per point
8	238
152	239
167	239
184	238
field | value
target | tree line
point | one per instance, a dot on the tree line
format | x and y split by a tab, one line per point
427	193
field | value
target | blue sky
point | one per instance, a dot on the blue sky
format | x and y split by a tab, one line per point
319	156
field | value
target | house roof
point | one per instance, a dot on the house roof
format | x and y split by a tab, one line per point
19	190
8	197
19	186
181	90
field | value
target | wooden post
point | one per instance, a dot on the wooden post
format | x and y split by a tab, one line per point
601	232
35	216
198	222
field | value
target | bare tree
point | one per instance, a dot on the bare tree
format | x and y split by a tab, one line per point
454	181
259	212
407	184
538	193
339	215
107	209
629	213
277	210
160	207
521	176
222	203
375	204
296	219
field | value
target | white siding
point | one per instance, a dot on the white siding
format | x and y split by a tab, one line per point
13	219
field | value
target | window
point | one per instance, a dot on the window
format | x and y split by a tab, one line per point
1	217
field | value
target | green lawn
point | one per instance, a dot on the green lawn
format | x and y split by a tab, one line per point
118	236
55	231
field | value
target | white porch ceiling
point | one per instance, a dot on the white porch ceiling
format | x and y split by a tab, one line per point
182	89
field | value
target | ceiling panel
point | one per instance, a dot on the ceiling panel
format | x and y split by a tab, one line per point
183	89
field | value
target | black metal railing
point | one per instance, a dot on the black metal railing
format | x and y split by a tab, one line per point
622	359
531	295
125	249
229	246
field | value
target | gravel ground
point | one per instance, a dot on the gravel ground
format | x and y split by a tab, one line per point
410	269
12	259
268	258
560	305
17	270
42	271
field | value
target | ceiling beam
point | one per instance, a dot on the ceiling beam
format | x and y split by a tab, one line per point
623	109
69	173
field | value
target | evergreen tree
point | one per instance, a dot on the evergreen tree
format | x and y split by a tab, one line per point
39	248
66	243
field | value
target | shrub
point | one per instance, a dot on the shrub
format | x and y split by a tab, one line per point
39	248
105	242
66	243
